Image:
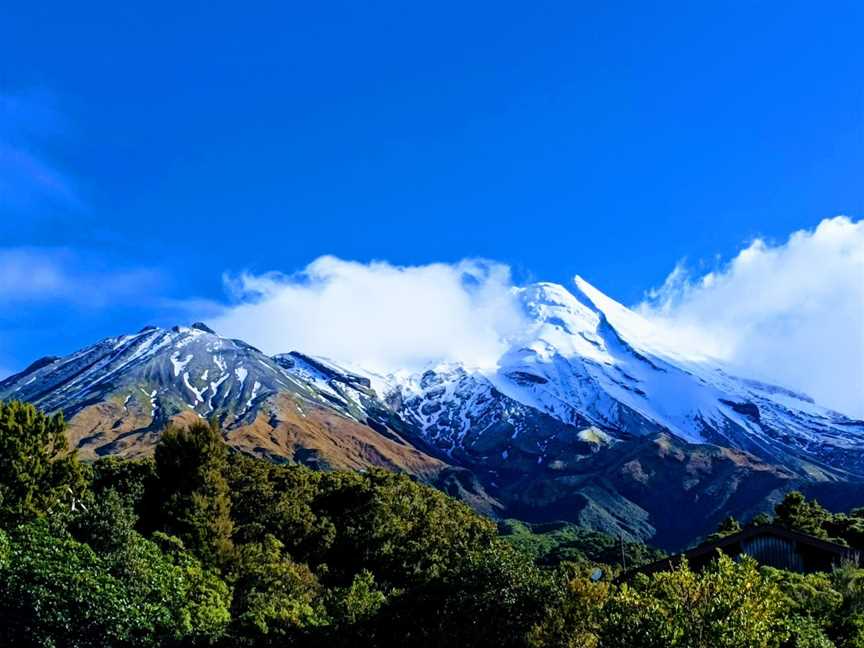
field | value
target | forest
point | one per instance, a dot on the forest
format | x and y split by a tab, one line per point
203	546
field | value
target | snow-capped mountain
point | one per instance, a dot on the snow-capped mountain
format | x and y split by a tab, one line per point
586	361
120	393
160	373
591	414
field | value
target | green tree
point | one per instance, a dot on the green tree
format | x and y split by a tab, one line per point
108	527
728	605
402	531
130	478
55	591
356	603
192	498
800	514
847	630
5	550
279	500
846	528
576	621
727	527
554	543
106	524
760	519
273	596
812	604
493	597
36	470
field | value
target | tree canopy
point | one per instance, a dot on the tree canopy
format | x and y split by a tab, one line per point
202	546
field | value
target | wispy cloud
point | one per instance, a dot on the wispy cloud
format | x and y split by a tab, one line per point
791	313
30	274
29	122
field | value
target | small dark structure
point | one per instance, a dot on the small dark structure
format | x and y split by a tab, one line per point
770	545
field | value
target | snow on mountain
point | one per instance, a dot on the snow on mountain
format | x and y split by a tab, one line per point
585	373
120	394
164	372
585	360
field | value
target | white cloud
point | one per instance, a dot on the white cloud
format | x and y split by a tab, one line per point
377	315
31	274
791	313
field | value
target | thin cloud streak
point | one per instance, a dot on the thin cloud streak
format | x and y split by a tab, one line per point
28	178
29	275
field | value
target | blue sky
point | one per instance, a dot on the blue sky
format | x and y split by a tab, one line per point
148	148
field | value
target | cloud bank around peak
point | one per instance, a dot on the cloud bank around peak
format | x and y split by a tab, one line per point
790	313
379	316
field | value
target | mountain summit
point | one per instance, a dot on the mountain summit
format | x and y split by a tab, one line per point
591	414
587	356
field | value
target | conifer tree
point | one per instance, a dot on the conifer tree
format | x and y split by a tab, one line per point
195	504
36	470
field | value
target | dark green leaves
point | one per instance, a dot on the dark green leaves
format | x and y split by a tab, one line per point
36	473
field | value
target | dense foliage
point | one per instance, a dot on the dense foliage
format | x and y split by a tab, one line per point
200	546
35	469
556	542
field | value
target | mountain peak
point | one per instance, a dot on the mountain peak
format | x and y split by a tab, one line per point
544	301
598	301
548	293
201	326
588	294
627	323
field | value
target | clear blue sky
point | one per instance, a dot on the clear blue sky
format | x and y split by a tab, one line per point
182	140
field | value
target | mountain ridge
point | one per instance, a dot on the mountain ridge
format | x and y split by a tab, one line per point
585	417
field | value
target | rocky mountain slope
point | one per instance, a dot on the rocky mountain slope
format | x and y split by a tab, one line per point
120	393
590	415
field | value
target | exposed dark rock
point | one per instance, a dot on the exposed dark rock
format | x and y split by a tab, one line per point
201	326
747	409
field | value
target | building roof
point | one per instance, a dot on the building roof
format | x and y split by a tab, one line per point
701	555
